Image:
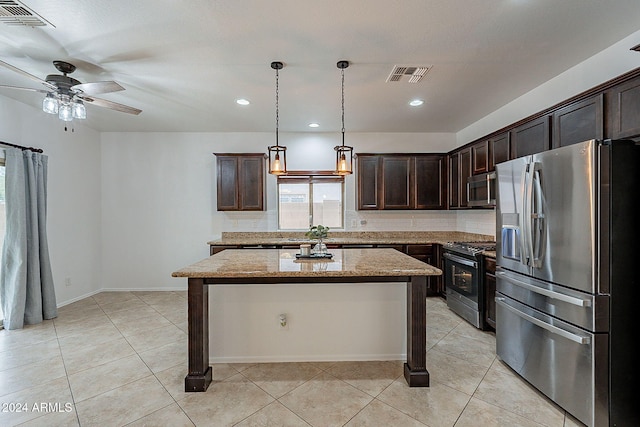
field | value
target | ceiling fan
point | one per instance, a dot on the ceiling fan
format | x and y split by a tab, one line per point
66	96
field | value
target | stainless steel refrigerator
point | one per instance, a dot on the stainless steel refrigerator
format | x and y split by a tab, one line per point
568	294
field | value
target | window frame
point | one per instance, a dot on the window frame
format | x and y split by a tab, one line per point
310	180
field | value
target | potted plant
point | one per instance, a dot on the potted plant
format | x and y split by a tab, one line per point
319	233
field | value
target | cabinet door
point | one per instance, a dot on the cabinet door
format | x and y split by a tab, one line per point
465	173
578	122
368	177
430	186
499	150
624	110
227	183
251	184
531	137
454	181
397	192
480	157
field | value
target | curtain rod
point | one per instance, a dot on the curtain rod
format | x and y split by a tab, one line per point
35	150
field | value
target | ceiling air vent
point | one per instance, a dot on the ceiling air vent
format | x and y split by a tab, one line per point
13	12
414	73
636	48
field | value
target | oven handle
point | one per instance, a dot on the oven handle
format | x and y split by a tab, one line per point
544	325
580	302
460	260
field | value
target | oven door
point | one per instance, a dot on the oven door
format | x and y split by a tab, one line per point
461	278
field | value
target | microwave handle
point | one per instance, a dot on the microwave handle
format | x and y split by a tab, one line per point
490	176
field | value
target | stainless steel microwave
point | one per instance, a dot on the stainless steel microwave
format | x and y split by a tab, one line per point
481	190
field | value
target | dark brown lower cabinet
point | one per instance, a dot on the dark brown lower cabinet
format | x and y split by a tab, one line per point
490	292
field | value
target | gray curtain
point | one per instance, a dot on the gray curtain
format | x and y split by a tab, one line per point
26	282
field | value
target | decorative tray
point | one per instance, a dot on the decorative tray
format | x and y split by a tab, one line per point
314	256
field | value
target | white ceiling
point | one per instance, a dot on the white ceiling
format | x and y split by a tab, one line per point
185	62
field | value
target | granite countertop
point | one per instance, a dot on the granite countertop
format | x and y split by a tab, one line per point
349	237
248	263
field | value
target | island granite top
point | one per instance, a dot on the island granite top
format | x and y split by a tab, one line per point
248	263
348	237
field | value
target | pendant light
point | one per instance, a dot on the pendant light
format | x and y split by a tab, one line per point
344	153
277	153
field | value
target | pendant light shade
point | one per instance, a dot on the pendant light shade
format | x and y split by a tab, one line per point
277	153
344	153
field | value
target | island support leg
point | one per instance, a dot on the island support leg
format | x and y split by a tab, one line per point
200	373
415	370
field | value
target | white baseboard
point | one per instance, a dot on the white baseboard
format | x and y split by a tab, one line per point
308	358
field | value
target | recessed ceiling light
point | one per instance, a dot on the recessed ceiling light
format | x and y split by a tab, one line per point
242	101
416	102
314	125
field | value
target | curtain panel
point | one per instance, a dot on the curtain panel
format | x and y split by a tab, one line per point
26	280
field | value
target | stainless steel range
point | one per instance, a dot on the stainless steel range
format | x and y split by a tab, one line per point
464	279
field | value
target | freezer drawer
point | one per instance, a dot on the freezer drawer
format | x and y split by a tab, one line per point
566	363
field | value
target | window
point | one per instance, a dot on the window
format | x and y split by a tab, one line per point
310	200
2	220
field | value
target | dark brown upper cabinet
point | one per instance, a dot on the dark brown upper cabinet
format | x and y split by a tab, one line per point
240	181
480	157
578	122
397	188
459	171
531	137
499	150
400	181
623	110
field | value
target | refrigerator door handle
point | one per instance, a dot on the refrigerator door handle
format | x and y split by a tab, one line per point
527	211
537	217
544	325
580	302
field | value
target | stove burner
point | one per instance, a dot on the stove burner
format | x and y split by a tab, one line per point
472	248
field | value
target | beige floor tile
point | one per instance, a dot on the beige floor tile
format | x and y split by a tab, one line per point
80	326
29	354
55	392
78	313
116	307
96	355
456	373
479	413
225	403
476	351
159	297
166	356
139	325
29	335
124	404
274	414
502	388
31	375
132	315
65	417
277	379
157	337
104	298
370	377
436	405
326	401
91	337
83	304
377	414
172	416
102	378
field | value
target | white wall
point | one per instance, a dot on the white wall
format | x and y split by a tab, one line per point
74	210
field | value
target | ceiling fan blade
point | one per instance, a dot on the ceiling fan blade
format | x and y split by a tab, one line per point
98	87
109	104
24	73
24	88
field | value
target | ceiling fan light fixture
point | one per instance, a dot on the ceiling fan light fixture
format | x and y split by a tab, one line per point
78	110
50	104
65	112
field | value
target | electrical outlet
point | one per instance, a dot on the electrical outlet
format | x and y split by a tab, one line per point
283	322
67	281
354	223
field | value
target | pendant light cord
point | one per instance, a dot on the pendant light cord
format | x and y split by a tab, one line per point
342	72
277	104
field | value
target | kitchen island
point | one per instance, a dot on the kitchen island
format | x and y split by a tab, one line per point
268	266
